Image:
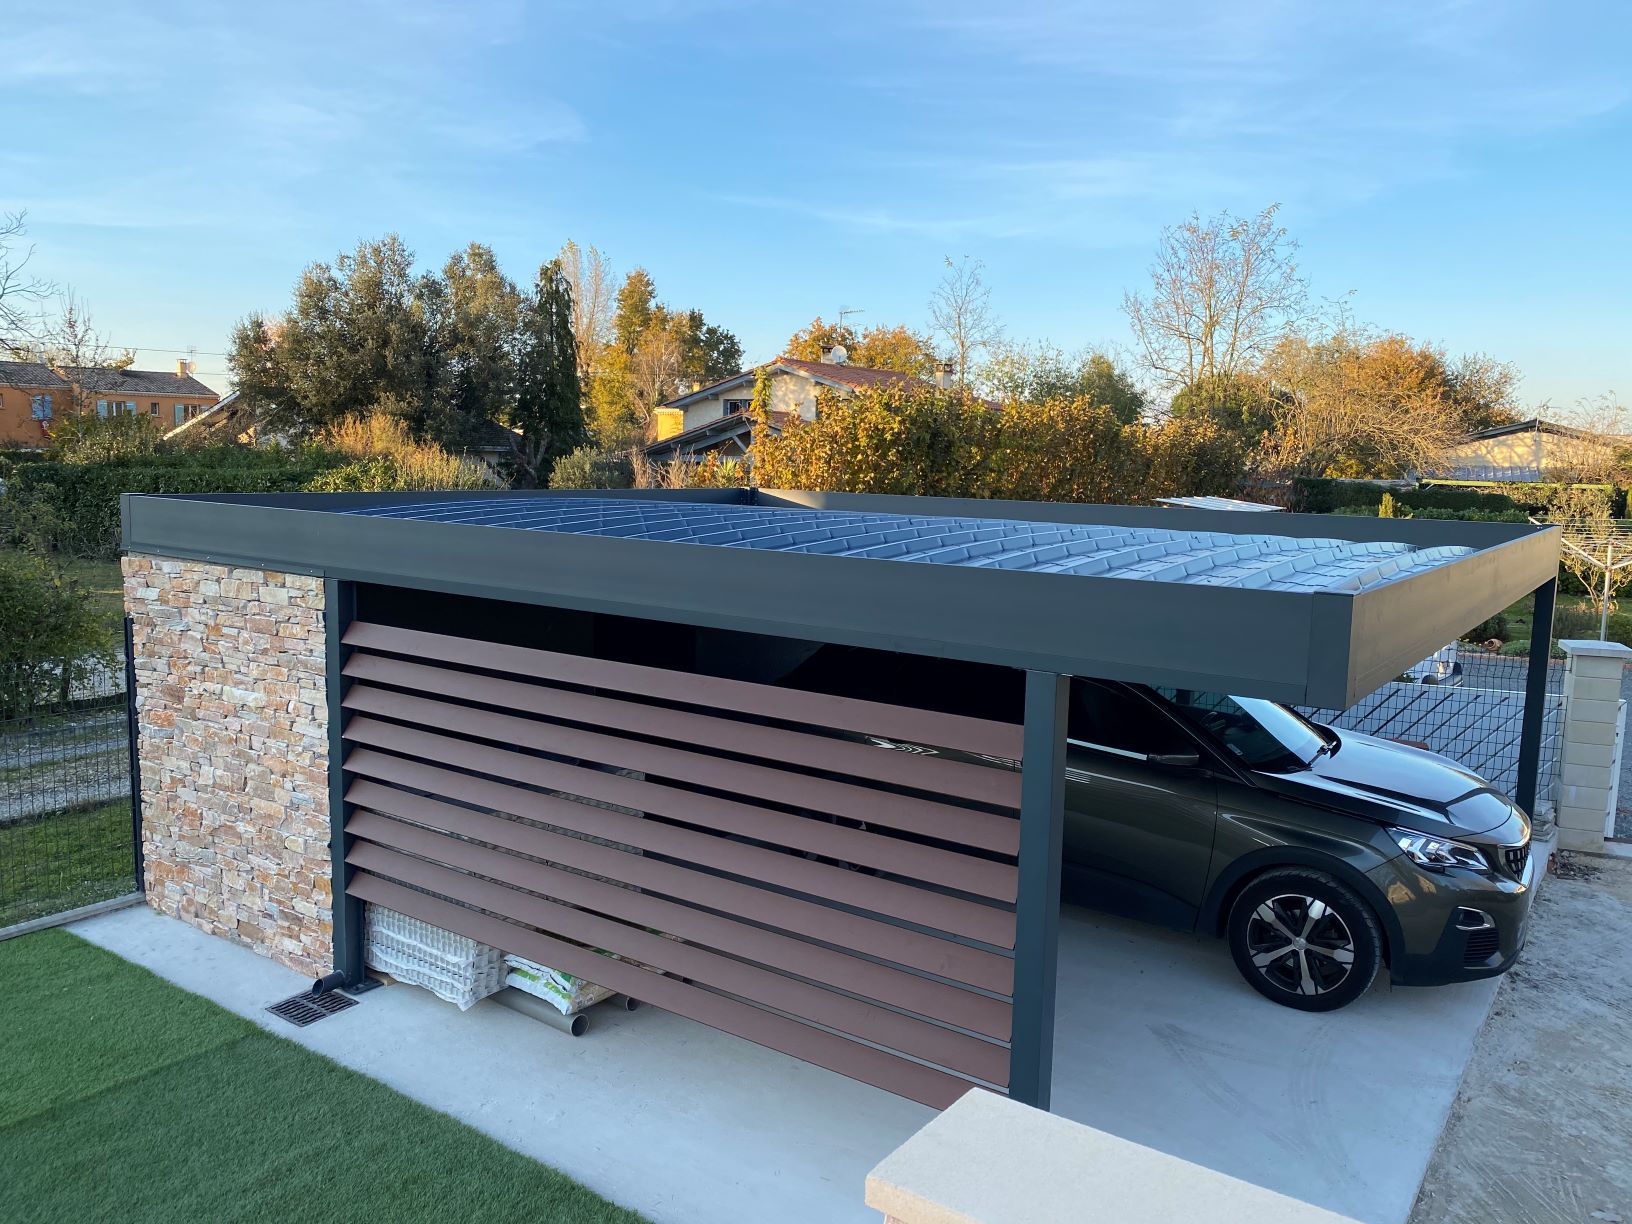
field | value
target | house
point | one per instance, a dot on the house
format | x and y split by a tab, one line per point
1525	451
716	417
33	394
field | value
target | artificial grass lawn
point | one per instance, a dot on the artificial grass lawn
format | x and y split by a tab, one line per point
123	1097
64	860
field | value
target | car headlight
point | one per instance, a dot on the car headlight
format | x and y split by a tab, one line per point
1429	851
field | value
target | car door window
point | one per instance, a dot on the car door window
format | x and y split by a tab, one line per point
1109	716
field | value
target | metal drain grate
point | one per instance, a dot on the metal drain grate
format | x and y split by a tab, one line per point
303	1009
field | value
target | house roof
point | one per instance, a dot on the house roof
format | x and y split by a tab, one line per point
1318	611
1535	425
855	378
29	374
138	382
711	433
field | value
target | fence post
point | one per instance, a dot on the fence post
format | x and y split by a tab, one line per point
1037	908
1592	711
133	737
1535	696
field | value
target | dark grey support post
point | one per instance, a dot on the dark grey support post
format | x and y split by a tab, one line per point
340	605
1535	696
133	738
1037	912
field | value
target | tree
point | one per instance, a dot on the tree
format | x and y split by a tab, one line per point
361	334
1243	404
549	411
636	303
1034	373
20	291
589	276
53	633
1358	404
71	345
881	347
1222	292
477	334
960	310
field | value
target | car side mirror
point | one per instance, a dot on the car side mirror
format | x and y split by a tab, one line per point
1175	760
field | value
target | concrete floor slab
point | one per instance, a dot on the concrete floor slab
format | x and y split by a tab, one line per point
1159	1041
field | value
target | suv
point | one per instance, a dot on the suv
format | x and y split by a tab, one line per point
1319	855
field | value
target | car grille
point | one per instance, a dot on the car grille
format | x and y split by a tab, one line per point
1514	859
1482	945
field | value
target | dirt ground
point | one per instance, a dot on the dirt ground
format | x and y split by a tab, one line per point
1542	1126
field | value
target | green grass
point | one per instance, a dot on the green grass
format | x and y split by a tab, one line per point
67	859
125	1098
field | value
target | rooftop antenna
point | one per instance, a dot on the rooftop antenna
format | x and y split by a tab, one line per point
849	310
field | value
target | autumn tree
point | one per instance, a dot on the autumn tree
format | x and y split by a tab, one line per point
881	347
549	409
1358	404
1222	292
960	310
589	276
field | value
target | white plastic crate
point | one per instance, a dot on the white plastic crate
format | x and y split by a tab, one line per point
452	967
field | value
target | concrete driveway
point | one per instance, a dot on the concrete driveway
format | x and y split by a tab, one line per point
1158	1041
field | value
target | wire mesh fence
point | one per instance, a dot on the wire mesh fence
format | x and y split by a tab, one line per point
67	836
1480	728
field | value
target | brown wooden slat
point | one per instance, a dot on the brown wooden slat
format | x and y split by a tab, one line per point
925	817
982	877
870	936
912	904
985	736
895	1030
921	771
888	1071
923	996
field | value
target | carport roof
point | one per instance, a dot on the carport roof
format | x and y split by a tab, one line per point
1207	558
1319	610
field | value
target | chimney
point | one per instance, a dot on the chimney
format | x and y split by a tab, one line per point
183	367
943	373
827	352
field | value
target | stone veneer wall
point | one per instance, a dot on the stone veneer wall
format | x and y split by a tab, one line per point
230	692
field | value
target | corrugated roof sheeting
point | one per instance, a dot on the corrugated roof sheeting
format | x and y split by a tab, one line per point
1260	561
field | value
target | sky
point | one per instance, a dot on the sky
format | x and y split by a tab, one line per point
1457	170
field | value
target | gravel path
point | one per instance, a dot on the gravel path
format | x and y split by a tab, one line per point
1542	1126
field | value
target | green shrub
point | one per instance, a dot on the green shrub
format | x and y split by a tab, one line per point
50	634
1620	628
73	508
588	468
1575	620
85	438
1520	647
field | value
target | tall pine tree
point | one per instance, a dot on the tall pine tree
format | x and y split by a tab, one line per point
548	408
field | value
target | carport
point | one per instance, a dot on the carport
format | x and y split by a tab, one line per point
891	916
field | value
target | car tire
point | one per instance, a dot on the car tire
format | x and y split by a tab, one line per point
1304	939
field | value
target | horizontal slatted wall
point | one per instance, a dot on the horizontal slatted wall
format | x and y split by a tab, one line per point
840	901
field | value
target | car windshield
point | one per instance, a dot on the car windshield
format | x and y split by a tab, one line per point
1260	734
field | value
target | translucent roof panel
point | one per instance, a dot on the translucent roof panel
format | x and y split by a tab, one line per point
1257	560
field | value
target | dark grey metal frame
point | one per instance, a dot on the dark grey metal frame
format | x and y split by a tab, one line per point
1316	649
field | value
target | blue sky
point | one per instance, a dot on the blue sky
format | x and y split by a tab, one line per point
1463	169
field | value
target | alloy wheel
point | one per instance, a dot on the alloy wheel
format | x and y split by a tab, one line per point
1300	944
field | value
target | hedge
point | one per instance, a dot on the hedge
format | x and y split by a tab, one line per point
74	507
1317	495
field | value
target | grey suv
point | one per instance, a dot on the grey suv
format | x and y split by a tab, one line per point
1320	855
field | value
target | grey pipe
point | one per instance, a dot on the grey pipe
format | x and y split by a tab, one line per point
537	1009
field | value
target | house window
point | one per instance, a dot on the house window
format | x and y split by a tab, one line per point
41	404
153	408
738	405
101	408
181	413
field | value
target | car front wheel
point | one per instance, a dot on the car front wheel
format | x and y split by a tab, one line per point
1305	939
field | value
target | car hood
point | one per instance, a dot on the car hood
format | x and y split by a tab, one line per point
1399	784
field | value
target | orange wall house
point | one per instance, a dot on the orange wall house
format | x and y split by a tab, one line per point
33	395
